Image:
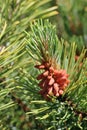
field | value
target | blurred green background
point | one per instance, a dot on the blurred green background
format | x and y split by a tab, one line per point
70	19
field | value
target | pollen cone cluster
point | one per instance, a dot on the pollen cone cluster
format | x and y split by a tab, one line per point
52	81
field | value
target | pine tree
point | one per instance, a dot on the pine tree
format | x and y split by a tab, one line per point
43	84
15	17
62	79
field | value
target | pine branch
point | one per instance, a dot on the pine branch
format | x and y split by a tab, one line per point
16	15
54	59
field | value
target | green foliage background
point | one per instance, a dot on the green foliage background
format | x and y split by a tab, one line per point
21	107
